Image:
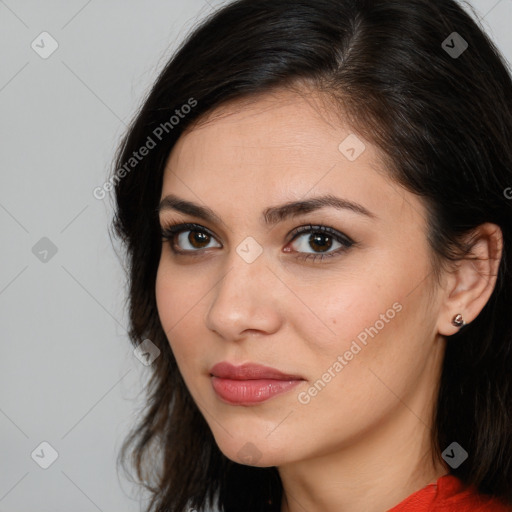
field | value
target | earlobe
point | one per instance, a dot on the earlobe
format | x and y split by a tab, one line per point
473	280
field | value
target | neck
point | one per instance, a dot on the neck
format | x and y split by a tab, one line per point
370	474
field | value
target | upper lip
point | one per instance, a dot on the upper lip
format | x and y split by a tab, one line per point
249	371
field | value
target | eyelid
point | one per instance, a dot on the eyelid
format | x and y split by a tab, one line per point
318	228
174	227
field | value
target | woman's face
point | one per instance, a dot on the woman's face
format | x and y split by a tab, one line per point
356	328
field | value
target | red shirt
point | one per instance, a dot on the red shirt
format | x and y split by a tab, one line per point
449	494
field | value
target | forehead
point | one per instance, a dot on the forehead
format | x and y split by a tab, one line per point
274	148
283	120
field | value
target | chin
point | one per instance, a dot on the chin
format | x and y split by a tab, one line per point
253	451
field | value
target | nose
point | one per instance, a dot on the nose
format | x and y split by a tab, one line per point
249	298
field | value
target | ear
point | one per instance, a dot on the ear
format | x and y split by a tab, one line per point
470	285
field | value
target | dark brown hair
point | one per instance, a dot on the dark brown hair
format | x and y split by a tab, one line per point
443	122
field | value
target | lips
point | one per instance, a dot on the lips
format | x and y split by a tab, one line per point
250	384
249	371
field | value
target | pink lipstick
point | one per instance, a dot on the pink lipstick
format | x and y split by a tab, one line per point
250	384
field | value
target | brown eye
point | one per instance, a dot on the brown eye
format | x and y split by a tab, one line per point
320	242
319	239
187	238
197	239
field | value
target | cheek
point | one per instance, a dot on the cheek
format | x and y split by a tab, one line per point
167	304
370	319
181	295
175	299
179	291
336	310
383	343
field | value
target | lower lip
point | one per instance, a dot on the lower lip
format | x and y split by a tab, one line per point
246	392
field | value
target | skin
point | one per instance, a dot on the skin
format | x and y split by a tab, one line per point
362	442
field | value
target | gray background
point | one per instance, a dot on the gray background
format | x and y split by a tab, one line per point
68	375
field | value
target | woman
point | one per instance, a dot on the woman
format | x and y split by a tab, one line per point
314	203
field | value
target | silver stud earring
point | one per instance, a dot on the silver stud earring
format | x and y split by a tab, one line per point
458	321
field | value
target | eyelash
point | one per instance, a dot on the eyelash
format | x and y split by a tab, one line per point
170	231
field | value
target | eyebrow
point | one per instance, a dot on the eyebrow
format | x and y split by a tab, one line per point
271	215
